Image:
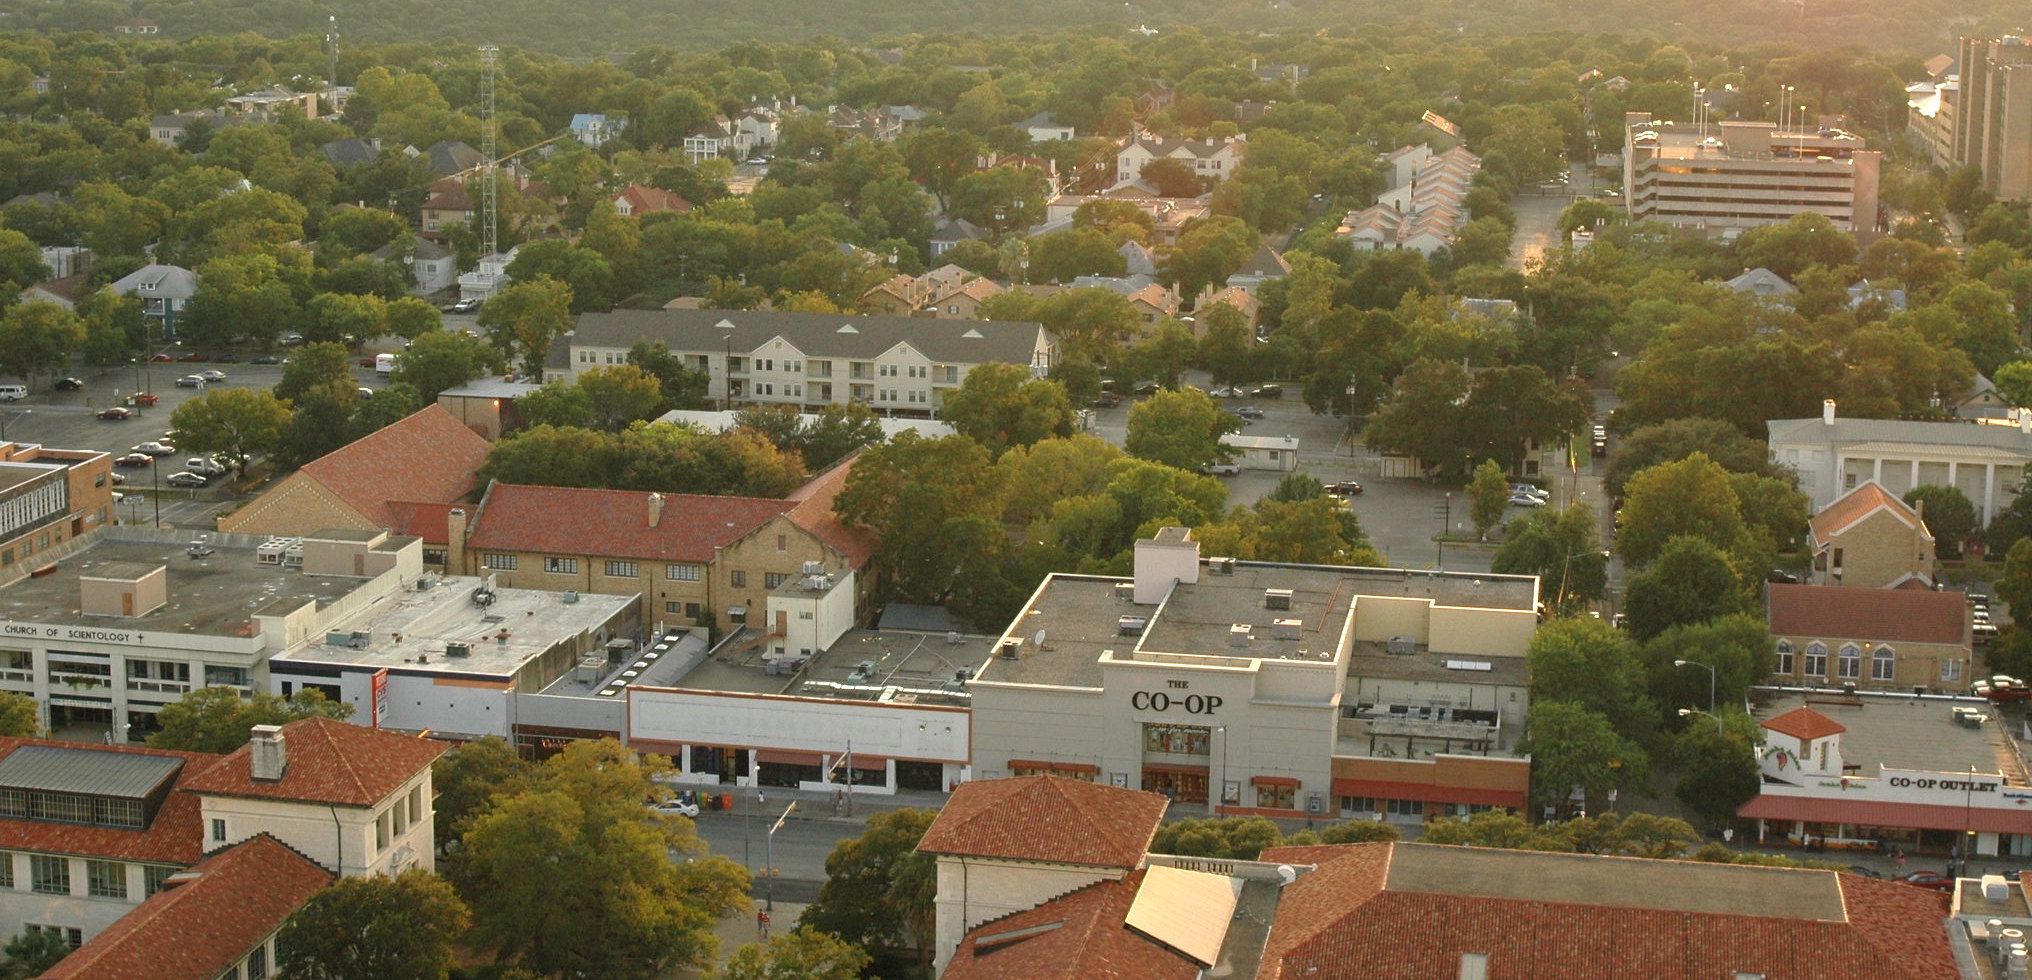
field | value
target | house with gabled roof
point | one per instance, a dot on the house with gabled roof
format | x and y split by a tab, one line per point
694	559
596	128
1208	158
164	291
639	199
1266	264
1869	539
895	364
964	301
426	458
897	295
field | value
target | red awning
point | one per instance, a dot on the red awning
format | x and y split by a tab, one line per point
1033	764
1272	781
1876	813
1382	789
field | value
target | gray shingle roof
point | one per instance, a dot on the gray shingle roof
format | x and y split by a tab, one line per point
1854	431
816	334
57	769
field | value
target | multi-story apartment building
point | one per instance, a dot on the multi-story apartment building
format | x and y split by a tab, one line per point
1993	122
1739	174
48	497
894	364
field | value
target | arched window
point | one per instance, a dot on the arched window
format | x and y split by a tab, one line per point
1849	663
1784	668
1884	664
1816	659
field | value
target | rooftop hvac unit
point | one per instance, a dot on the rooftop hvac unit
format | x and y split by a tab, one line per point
1131	625
1401	645
952	638
1125	591
1007	651
455	649
483	597
1238	635
814	568
571	596
1286	629
1221	566
1276	598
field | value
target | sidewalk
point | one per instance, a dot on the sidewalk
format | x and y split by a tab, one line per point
818	805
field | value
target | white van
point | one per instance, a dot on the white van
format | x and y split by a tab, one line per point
13	393
384	364
204	466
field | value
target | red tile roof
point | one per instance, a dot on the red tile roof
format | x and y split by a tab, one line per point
1343	921
614	523
175	836
427	457
1832	612
1806	723
1048	819
1081	936
331	762
199	928
448	194
814	513
423	520
1858	504
643	199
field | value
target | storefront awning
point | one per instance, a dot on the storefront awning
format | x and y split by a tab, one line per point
1032	764
1381	789
1874	813
1272	781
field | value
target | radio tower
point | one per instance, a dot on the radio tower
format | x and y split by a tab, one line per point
489	202
332	52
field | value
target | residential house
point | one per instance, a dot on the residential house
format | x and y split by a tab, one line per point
694	560
951	232
273	102
1137	259
895	365
1982	402
639	199
1835	455
489	277
1863	292
61	292
898	295
1043	128
137	27
865	123
48	497
1882	639
185	864
1237	297
446	203
1425	205
1208	158
168	129
432	267
164	291
1869	539
370	483
595	129
964	301
64	261
350	152
755	129
453	158
1266	264
713	138
1764	283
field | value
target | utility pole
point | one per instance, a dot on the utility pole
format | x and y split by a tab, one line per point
769	858
1445	514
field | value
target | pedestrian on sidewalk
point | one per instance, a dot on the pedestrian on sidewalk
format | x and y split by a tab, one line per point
1898	859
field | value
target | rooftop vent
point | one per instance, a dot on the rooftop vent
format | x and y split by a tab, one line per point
1286	629
571	596
1222	566
1007	651
1238	635
1125	591
1131	625
1276	598
455	649
1401	645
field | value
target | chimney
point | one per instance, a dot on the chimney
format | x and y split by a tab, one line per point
1827	412
455	542
655	508
267	760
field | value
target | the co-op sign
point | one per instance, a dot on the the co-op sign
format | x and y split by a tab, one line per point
1192	704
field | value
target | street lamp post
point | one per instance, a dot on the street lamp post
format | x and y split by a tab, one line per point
769	858
1710	689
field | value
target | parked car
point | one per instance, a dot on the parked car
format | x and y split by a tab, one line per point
192	357
1782	577
204	465
119	478
1147	388
186	479
116	414
161	357
191	381
226	357
69	384
1249	411
366	392
1107	399
212	377
1266	391
464	306
1225	391
679	806
266	359
1984	632
1222	469
1525	500
1928	879
156	449
1345	488
291	339
1540	492
134	460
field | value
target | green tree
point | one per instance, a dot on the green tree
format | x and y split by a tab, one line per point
1737	646
683	387
312	366
231	423
375	928
37	338
334	317
1588	663
1359	832
2014	586
1062	256
568	876
1948	513
1573	746
1717	773
620	395
1670	442
219	720
1001	405
410	318
837	431
559	403
585	271
879	889
33	953
1233	838
1180	428
804	953
1503	829
441	360
319	422
525	317
1690	582
1692	497
468	779
1562	548
19	716
932	504
1488	496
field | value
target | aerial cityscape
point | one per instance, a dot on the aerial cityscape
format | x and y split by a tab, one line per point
756	492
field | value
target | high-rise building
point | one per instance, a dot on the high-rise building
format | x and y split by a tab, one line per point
1739	174
1993	124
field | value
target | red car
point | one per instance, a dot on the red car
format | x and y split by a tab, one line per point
116	413
162	358
1928	879
134	460
192	356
